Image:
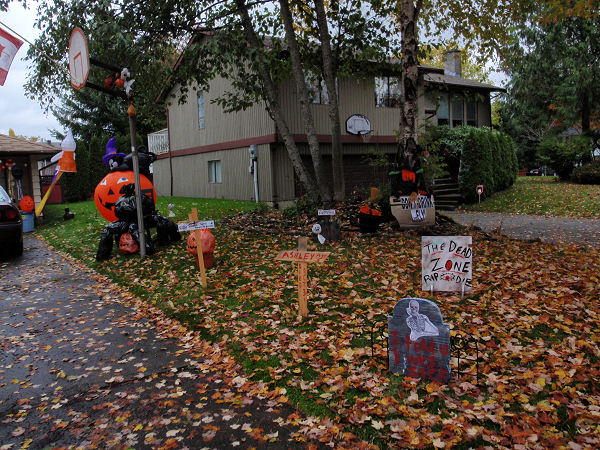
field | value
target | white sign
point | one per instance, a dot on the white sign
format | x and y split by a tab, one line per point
418	215
326	212
480	189
447	263
201	225
79	59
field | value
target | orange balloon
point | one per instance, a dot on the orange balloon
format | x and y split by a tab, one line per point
107	192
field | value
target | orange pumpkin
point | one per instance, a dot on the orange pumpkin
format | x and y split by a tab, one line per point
27	204
208	246
127	245
107	191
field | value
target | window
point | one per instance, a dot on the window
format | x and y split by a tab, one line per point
443	112
317	90
472	114
387	92
457	112
201	110
214	172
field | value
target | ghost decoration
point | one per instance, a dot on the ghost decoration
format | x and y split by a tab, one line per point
316	228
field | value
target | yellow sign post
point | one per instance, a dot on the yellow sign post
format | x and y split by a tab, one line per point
303	258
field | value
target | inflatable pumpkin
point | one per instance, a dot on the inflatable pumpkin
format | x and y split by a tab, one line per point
127	244
107	192
208	246
27	204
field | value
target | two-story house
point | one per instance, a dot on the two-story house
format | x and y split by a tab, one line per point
204	152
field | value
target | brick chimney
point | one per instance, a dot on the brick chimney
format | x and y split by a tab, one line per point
452	64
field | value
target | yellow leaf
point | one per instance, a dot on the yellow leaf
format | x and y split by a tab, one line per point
541	381
138	427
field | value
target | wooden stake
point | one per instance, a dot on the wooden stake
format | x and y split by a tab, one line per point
193	216
302	279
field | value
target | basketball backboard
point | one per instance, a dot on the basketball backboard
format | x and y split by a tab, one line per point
79	59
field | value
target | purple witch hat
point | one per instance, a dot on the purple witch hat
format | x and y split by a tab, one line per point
111	151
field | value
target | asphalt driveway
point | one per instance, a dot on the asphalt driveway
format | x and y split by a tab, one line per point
565	230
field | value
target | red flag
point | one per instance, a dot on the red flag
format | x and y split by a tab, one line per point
9	45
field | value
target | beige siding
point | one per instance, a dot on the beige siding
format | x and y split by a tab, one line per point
356	97
219	126
191	175
283	173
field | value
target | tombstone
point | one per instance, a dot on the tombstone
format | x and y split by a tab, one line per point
419	340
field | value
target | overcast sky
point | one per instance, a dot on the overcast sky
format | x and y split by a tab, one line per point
24	116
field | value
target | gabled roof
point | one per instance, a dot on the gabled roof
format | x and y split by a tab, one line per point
450	80
14	145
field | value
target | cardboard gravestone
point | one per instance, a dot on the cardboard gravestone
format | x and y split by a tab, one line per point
325	229
447	263
419	340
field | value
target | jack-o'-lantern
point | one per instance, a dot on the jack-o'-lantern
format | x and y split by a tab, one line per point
127	244
208	246
107	192
27	204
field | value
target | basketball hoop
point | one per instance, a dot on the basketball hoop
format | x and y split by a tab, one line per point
365	136
79	60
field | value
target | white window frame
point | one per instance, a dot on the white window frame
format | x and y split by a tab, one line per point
388	92
215	174
201	110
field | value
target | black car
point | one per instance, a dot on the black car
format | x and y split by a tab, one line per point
11	227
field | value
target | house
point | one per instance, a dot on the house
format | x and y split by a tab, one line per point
204	152
20	153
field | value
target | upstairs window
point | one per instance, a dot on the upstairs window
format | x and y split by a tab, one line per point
388	92
201	124
317	90
214	171
472	114
443	111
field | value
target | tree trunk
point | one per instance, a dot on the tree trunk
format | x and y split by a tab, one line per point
334	113
408	150
272	99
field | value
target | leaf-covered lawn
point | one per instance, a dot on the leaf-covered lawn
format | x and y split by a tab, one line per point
543	196
534	307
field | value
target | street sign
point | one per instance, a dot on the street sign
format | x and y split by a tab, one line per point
480	189
79	59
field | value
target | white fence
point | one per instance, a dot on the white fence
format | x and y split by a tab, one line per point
158	142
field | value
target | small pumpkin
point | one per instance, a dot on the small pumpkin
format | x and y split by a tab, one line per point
27	204
107	192
127	244
208	246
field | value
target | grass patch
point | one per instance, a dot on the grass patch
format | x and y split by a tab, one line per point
544	196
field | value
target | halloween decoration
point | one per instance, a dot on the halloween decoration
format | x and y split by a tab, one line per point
68	214
208	246
108	192
27	204
127	244
66	163
17	173
113	159
369	217
126	213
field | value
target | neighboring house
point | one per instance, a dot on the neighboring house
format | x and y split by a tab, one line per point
24	154
205	152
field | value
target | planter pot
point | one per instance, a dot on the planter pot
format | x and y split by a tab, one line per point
368	223
416	215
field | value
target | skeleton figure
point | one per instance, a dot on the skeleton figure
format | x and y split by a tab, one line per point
419	324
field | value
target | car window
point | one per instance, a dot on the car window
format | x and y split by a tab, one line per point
4	197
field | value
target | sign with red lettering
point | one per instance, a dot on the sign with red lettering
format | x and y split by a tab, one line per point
419	340
299	256
447	263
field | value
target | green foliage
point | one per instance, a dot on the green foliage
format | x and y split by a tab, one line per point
563	154
588	173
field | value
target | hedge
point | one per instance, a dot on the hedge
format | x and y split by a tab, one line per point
587	174
487	157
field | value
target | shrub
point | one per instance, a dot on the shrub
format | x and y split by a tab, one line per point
563	154
587	174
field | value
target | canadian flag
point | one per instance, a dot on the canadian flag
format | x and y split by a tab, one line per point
9	45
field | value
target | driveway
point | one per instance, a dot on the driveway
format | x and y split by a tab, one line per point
84	365
544	228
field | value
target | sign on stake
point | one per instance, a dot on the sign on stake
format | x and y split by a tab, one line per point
303	258
447	263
